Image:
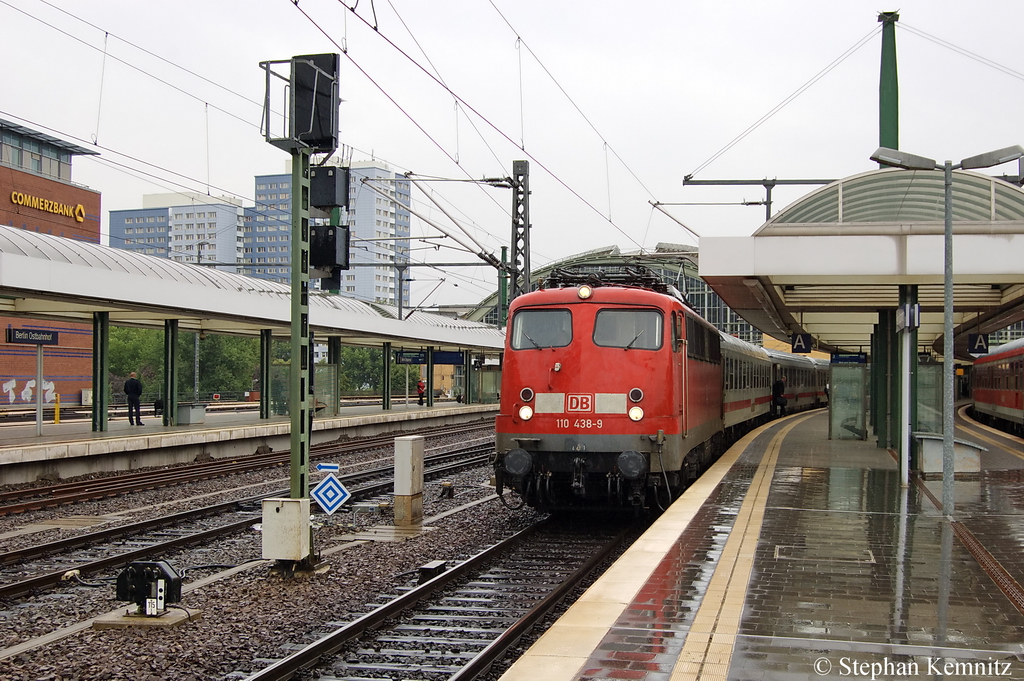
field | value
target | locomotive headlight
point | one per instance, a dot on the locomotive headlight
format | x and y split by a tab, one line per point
636	413
636	394
526	394
585	292
526	412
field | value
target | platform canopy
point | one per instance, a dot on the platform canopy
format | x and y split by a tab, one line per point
829	262
49	277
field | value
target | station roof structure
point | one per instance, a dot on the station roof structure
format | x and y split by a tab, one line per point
48	277
829	262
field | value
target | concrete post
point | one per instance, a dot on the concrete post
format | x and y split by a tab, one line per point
409	480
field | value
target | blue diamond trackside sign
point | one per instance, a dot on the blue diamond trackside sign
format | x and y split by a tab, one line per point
330	494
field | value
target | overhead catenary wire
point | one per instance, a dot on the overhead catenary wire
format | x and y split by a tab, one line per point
155	55
593	127
963	52
781	105
127	168
131	66
466	104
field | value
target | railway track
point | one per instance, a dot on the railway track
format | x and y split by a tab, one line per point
457	624
49	564
50	496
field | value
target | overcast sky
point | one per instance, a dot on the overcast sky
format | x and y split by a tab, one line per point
612	103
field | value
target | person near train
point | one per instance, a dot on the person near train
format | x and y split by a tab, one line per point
779	396
421	390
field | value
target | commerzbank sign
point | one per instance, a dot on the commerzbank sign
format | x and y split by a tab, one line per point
67	210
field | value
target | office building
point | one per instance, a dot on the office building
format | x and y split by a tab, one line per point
37	194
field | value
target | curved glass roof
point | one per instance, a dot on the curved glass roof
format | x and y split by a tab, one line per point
892	195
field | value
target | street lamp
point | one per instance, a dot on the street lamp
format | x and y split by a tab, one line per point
901	159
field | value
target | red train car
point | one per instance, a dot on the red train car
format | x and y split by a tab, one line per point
614	392
997	387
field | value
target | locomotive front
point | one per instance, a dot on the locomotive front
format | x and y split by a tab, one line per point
587	397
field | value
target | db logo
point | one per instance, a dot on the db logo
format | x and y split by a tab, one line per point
580	403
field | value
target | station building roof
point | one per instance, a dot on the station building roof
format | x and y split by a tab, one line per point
829	262
43	276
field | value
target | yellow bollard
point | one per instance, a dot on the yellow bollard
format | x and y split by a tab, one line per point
56	410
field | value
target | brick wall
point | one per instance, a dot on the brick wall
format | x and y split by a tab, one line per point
67	367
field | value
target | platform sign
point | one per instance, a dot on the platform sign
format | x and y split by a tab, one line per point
31	336
977	343
849	358
801	343
444	357
908	317
330	494
409	357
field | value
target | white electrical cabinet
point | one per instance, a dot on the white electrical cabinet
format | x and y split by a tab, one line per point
286	529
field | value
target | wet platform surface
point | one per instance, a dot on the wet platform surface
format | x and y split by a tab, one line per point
806	559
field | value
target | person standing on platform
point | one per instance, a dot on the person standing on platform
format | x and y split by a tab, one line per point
779	396
133	391
421	390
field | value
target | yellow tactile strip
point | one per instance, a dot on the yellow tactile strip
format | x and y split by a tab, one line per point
707	652
566	647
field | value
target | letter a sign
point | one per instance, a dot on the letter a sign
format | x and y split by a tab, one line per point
801	342
977	343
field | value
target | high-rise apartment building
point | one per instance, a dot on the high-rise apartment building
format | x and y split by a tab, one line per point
185	227
378	218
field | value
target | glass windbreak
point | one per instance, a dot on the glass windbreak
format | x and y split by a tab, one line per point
541	329
629	329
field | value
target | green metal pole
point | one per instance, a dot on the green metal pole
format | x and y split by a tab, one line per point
386	378
430	377
888	85
334	357
100	371
298	398
503	290
883	368
266	352
170	388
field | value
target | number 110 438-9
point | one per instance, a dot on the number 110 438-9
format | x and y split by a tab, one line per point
579	423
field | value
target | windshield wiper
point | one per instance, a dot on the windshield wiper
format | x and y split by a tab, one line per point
535	344
630	345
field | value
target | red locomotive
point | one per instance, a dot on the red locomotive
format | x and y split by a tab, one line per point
997	387
615	393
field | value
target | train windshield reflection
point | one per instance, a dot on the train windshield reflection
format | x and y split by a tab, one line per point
541	329
629	329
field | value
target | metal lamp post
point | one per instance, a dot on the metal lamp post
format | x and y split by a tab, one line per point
901	159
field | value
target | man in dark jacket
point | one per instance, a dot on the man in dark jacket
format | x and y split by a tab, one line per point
133	391
779	396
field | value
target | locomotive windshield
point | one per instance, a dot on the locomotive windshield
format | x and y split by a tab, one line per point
629	329
541	329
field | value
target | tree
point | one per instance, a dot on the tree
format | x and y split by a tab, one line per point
138	350
362	370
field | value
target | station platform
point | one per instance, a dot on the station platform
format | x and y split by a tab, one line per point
799	557
72	448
